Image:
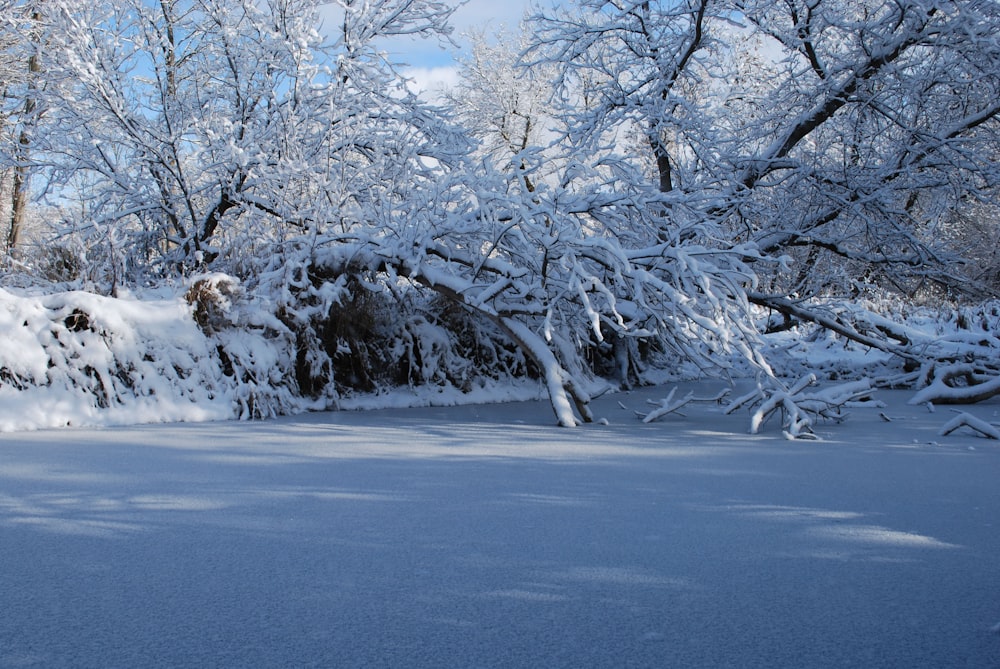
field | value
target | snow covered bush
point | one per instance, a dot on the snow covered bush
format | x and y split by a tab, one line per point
77	358
358	329
254	349
74	358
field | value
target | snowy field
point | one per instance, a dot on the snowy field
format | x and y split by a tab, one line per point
484	536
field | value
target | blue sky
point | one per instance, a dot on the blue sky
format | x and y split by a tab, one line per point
431	66
475	16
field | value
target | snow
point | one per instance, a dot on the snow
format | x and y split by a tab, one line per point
485	536
965	419
65	350
938	390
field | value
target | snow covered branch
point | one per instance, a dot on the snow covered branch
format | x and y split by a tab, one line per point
799	407
964	419
669	405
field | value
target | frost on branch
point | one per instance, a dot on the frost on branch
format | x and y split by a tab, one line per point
799	407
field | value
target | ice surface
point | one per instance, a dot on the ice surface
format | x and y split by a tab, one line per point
484	536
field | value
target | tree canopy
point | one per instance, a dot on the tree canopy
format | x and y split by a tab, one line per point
625	185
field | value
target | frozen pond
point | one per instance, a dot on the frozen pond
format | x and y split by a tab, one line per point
485	536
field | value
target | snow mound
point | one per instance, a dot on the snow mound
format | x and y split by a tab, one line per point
76	358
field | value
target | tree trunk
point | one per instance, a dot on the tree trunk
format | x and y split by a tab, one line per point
564	392
19	192
19	197
666	183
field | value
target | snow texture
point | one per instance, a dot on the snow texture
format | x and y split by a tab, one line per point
77	358
488	537
68	357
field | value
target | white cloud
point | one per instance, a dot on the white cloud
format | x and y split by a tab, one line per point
431	81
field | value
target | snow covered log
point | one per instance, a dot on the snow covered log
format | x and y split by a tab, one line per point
960	384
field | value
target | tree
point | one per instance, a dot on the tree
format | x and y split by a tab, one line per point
504	106
881	120
630	63
681	190
210	128
20	64
896	120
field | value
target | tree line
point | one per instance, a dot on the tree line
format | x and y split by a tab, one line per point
619	184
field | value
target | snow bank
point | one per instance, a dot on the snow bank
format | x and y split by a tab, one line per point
76	358
212	352
207	351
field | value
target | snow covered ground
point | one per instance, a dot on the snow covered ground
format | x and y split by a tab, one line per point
483	536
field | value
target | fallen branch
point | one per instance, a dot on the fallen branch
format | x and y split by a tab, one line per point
668	405
796	310
964	419
941	391
800	408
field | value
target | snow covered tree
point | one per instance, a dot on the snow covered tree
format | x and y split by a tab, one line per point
182	136
596	253
505	106
875	122
894	127
20	65
626	65
193	133
711	156
870	124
